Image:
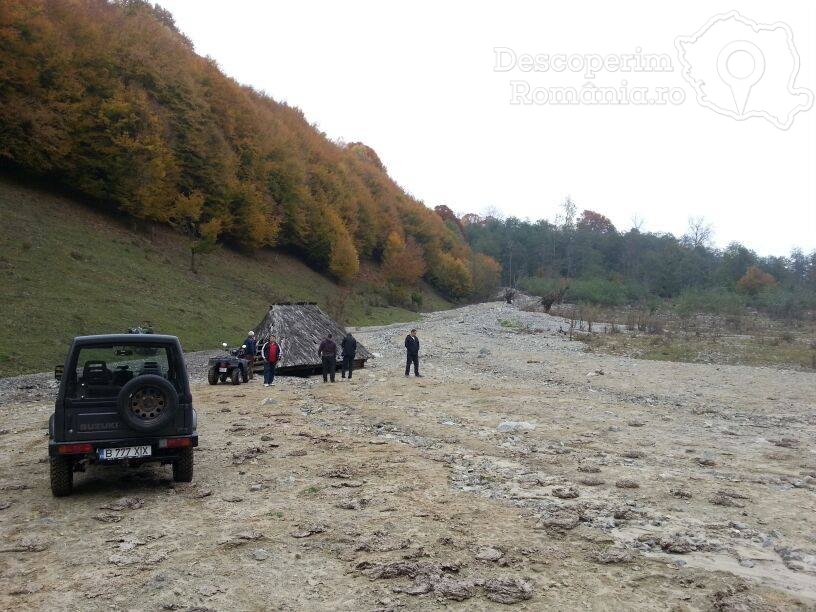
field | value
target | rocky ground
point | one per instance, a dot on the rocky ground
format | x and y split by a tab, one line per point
520	471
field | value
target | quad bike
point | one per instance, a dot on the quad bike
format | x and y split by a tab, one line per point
232	366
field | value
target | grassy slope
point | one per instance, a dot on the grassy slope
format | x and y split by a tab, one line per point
66	269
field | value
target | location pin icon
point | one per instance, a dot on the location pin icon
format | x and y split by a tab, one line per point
741	85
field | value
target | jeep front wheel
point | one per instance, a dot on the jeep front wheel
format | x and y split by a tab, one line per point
62	476
235	375
212	376
183	466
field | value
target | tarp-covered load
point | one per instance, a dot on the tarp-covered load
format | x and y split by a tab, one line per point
300	327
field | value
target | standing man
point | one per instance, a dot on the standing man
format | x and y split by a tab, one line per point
328	355
251	348
271	354
412	348
349	349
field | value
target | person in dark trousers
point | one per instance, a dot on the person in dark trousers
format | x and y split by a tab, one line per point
271	354
348	348
251	348
328	355
412	348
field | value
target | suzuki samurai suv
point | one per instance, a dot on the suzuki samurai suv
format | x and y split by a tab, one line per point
123	399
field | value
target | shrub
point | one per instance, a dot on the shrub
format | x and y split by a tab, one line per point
713	301
590	314
536	285
337	304
590	291
788	304
397	295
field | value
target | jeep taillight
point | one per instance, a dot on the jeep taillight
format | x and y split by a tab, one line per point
74	449
174	443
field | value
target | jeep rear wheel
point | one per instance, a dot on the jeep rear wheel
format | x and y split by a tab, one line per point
235	375
62	476
183	466
212	376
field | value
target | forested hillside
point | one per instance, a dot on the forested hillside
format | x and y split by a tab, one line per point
110	101
605	265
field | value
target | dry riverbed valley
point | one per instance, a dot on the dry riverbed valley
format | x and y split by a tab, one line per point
520	472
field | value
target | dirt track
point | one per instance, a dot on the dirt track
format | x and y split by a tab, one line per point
642	485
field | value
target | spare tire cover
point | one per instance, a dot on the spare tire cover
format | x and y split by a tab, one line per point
147	403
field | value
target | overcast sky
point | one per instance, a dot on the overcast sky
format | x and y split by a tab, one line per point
417	81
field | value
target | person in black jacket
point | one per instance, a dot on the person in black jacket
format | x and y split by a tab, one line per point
327	351
412	348
348	347
251	349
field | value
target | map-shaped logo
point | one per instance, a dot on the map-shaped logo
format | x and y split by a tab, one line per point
743	69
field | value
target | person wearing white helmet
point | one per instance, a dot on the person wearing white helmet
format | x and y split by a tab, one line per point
251	348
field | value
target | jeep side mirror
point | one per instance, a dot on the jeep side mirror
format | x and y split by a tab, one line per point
224	344
243	346
58	372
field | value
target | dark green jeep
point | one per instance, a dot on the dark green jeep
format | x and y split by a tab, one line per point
123	399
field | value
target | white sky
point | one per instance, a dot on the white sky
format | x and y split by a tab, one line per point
416	81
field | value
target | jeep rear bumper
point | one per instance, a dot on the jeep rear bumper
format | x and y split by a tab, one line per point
165	448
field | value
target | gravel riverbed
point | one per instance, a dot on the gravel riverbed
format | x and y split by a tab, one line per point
520	470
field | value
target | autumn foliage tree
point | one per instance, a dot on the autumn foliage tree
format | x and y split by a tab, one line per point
185	216
344	262
451	273
448	216
592	221
755	280
403	261
486	275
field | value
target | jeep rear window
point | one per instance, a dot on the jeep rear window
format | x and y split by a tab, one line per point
101	371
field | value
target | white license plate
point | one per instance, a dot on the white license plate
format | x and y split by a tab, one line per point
222	369
125	452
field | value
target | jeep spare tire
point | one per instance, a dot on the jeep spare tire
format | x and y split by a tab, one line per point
147	403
